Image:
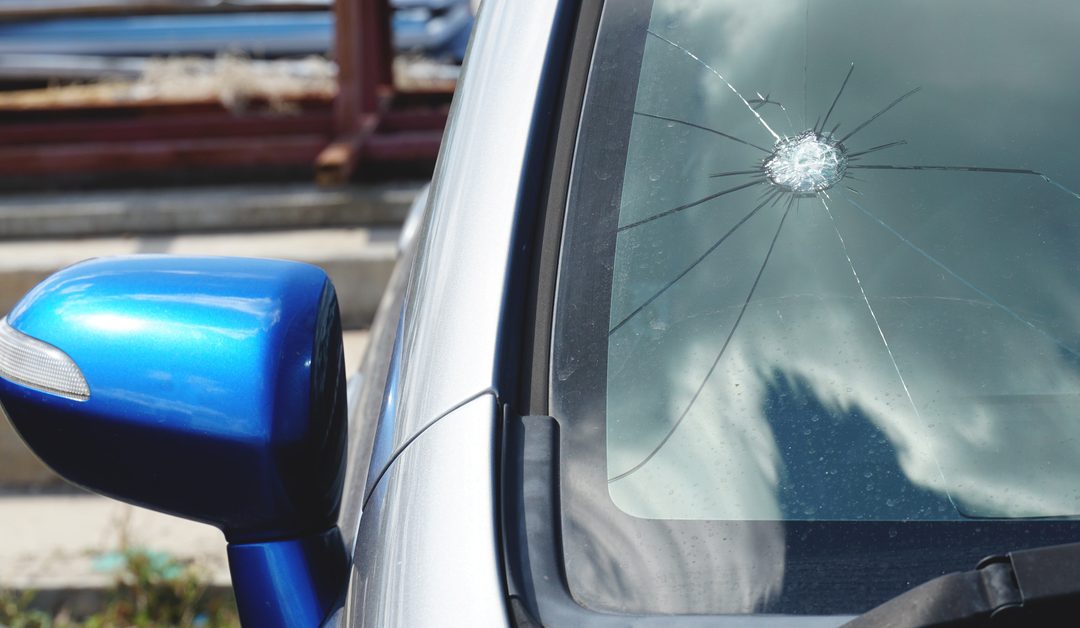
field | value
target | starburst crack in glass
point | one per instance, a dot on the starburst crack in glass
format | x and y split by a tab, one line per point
807	165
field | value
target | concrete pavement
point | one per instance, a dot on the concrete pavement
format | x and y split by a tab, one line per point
190	210
52	541
359	260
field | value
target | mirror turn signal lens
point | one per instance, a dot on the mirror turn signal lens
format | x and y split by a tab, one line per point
38	365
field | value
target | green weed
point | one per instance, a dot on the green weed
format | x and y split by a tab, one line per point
152	590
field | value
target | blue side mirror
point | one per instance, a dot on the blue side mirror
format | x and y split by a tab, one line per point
208	388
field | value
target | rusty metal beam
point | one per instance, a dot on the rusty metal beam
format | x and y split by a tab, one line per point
51	159
415	119
179	126
411	146
368	113
367	122
335	164
364	53
12	115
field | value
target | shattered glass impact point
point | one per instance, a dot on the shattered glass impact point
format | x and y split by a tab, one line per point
807	163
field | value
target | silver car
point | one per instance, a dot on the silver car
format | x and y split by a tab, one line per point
734	312
722	312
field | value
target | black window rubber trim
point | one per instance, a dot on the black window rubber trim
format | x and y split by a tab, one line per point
537	242
529	483
546	232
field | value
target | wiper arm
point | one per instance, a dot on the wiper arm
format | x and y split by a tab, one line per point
1029	587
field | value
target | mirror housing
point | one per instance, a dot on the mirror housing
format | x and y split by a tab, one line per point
208	388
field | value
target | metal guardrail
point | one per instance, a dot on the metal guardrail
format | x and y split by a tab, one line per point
369	122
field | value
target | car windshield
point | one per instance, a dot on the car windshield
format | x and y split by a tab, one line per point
818	317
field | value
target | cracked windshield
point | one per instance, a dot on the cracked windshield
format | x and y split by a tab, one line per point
845	280
817	332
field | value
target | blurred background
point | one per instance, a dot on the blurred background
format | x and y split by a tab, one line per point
296	129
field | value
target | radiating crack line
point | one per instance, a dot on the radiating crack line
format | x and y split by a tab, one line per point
675	210
693	265
723	349
791	125
1036	173
837	99
879	114
875	149
806	59
760	101
721	77
735	172
1059	342
888	349
703	128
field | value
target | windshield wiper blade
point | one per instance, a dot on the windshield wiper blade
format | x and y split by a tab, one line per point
1028	587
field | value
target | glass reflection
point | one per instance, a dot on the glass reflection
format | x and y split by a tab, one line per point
897	340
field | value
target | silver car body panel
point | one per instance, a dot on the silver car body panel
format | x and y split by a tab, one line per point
428	549
457	289
367	384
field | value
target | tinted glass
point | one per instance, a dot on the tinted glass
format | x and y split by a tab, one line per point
820	276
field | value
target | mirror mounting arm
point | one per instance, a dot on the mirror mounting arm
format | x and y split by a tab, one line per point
294	582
